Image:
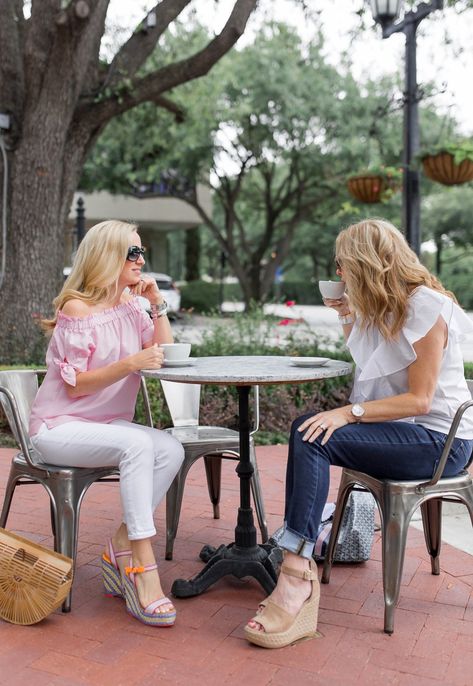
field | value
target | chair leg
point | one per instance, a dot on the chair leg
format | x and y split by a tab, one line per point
9	490
257	494
432	520
66	496
213	471
342	498
173	508
395	523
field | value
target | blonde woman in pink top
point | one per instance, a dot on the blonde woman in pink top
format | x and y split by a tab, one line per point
82	415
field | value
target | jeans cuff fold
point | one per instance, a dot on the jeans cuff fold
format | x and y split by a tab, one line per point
295	543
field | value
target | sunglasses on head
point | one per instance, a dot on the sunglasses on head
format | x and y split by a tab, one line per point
134	252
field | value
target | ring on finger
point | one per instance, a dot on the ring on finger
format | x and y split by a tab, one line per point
322	426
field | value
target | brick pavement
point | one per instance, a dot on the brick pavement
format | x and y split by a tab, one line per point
98	643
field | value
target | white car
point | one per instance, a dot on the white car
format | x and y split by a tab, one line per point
170	291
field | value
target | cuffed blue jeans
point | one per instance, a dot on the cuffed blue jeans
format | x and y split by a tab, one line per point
385	450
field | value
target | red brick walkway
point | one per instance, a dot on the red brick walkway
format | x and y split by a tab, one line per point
98	643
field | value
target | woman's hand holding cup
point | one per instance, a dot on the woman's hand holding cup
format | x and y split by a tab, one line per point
148	358
334	296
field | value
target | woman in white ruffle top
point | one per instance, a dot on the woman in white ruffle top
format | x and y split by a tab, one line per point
403	330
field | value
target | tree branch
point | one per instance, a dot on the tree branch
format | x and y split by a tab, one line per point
172	75
134	53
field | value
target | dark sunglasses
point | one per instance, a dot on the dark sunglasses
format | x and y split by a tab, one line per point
338	264
134	252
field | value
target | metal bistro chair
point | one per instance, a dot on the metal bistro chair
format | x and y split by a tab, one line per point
210	442
397	502
66	486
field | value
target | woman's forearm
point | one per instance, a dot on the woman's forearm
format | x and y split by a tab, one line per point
97	379
162	330
397	407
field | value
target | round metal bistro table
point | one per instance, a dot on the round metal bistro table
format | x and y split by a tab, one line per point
244	557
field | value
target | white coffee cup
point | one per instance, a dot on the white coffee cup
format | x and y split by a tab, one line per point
176	351
333	290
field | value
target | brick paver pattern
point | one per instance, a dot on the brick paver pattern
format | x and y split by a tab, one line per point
98	643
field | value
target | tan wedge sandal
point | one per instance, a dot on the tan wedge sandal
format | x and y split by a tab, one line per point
281	628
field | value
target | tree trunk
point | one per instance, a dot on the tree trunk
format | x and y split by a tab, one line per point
192	254
438	256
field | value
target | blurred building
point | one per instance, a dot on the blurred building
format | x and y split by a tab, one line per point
158	218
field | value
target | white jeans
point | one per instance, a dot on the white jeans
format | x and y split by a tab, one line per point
148	460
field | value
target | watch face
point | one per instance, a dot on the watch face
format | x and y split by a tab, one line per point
357	410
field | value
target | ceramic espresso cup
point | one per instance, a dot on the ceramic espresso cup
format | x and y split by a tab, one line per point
176	351
332	290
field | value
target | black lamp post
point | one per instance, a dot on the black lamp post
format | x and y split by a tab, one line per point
385	12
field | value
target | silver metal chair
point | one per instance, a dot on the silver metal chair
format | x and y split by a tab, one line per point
397	502
210	442
66	486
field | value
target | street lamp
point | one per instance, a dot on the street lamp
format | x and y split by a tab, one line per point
385	13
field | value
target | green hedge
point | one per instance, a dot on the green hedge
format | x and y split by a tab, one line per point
202	296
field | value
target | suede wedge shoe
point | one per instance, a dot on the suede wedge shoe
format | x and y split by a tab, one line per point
281	628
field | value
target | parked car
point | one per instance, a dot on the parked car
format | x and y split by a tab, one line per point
167	287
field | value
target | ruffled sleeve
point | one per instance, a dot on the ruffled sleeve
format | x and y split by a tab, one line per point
375	357
70	350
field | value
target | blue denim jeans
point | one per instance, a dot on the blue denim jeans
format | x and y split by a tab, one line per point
385	450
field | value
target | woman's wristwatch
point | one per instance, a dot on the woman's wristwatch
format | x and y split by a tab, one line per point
357	412
157	311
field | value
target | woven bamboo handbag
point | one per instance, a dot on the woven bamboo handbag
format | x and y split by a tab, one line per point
34	580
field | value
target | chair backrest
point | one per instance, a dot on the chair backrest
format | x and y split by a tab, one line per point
23	384
183	401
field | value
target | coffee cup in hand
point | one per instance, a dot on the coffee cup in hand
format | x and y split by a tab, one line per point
332	290
175	351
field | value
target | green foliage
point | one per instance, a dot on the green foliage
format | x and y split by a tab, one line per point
202	296
460	150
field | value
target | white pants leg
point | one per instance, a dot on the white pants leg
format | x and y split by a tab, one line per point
148	460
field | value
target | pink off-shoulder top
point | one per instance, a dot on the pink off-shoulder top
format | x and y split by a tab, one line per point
79	344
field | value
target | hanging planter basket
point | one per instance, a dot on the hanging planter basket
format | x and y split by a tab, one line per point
443	169
375	185
367	188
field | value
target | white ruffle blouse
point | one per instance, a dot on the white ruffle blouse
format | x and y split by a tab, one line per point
382	366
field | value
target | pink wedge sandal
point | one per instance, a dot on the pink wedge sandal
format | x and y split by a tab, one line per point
147	615
112	579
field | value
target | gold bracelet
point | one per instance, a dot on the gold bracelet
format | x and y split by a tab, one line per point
346	318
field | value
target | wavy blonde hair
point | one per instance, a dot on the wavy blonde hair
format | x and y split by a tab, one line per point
381	271
97	265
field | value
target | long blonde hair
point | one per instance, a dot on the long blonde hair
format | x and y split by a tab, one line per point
381	271
97	265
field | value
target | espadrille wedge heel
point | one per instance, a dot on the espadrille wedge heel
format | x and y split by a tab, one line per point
281	628
112	579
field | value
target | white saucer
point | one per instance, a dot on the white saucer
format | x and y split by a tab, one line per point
179	363
309	361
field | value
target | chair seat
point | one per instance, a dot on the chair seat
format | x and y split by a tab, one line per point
65	472
205	434
464	478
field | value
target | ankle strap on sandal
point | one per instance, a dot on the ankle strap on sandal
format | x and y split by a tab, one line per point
140	569
306	574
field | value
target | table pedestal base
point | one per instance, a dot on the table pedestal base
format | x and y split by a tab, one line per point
259	561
